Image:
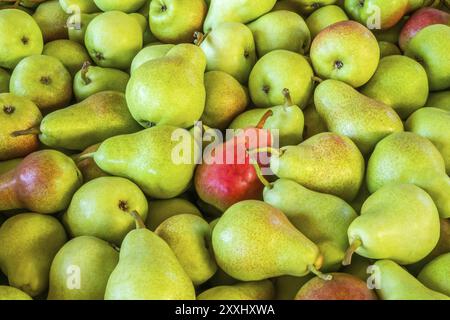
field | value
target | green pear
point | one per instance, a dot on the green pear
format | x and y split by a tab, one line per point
189	236
433	124
364	120
288	119
77	25
8	165
11	293
81	269
314	124
116	5
52	20
257	258
409	158
29	243
395	283
44	80
235	11
148	270
325	17
252	290
90	80
389	49
435	274
399	82
70	53
286	287
175	21
21	37
398	222
230	47
15	113
280	30
101	39
102	208
277	70
327	163
161	210
150	160
169	90
440	100
226	98
430	47
79	6
150	52
321	217
345	51
147	36
4	81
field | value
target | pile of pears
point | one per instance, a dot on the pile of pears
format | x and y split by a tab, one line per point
352	114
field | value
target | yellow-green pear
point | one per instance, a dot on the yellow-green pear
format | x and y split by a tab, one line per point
324	17
252	290
440	100
11	293
160	210
435	274
152	51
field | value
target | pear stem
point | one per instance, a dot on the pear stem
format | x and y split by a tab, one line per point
261	177
317	79
323	276
349	253
287	98
84	71
264	118
199	37
138	219
32	130
85	156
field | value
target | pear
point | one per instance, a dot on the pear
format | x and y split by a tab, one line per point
169	90
125	6
440	100
290	5
82	6
81	269
161	210
226	98
324	17
16	44
314	124
321	217
286	287
148	270
150	52
430	47
435	274
399	222
307	7
101	39
70	53
4	81
257	258
43	182
235	11
52	19
77	25
8	165
409	158
102	208
90	80
326	163
345	51
433	124
280	30
392	34
252	290
230	48
277	70
150	160
399	82
11	293
87	165
147	36
345	111
395	283
44	80
189	236
288	119
16	112
389	49
29	243
175	21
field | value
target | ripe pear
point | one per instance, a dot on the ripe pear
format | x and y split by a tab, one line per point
148	270
101	39
406	157
399	82
398	222
345	51
440	100
364	120
235	11
151	160
252	290
77	25
247	225
280	30
325	17
189	237
52	20
169	90
4	81
435	274
11	293
21	37
81	269
153	51
161	210
277	70
175	21
70	53
90	80
115	5
230	48
15	113
29	243
395	283
321	217
327	163
82	6
43	182
44	80
102	208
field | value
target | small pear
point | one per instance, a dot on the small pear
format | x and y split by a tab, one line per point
51	19
435	274
70	53
77	26
252	290
11	293
161	210
124	6
324	17
388	49
84	6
